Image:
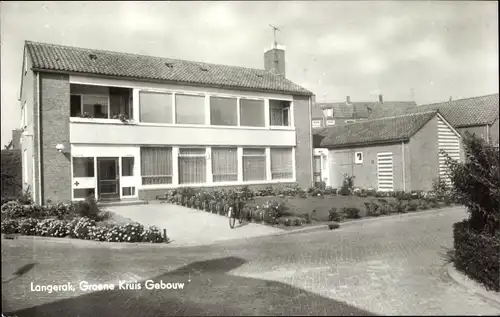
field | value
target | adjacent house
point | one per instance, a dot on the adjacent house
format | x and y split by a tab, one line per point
338	113
15	143
477	115
392	153
126	126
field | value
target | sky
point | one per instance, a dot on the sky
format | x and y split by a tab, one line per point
436	49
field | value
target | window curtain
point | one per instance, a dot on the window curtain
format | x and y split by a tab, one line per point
254	164
156	165
281	164
224	164
192	166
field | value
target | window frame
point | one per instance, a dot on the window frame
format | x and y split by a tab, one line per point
265	117
171	175
122	166
191	94
153	91
87	158
238	111
92	95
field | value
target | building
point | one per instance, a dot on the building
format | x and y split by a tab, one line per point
390	154
338	113
15	143
127	126
317	117
476	115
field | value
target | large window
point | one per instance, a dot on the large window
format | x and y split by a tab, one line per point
281	164
156	165
252	113
83	167
192	166
155	107
224	164
254	164
223	111
95	106
189	109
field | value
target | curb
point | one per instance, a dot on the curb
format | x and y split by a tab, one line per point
472	286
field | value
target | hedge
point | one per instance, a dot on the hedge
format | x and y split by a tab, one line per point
477	255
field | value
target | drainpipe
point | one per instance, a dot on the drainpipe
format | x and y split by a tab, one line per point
488	133
311	142
39	139
404	165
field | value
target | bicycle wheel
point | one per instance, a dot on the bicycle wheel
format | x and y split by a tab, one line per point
241	216
232	218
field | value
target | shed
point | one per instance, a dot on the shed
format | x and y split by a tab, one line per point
392	153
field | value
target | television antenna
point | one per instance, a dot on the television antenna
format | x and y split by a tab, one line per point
275	28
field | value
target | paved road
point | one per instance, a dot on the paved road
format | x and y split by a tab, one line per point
388	267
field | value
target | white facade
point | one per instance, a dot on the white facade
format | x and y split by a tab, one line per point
322	156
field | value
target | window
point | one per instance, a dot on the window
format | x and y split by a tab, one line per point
120	102
358	157
279	112
156	165
83	167
329	112
281	164
192	166
128	191
155	107
224	164
330	122
350	121
252	113
189	109
223	111
25	166
96	106
316	123
76	105
82	193
127	166
254	164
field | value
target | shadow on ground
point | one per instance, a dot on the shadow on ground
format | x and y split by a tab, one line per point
211	291
20	272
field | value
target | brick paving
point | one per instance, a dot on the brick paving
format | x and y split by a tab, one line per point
390	267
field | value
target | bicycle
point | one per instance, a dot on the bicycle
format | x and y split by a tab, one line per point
235	212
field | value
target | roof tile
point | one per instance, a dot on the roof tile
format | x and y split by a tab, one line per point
74	59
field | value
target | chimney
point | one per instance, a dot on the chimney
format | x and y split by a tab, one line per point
380	98
16	139
348	99
274	60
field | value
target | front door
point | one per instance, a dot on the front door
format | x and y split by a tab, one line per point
108	178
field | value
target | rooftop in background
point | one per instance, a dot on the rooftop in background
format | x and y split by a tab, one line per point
362	109
459	113
375	131
68	59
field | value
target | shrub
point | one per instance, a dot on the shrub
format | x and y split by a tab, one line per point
307	218
87	209
320	185
385	209
153	235
351	212
347	185
28	226
477	254
412	206
370	192
333	225
10	226
397	207
81	228
335	215
372	209
476	183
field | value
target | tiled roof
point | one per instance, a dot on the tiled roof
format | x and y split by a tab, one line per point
316	112
377	131
461	112
90	61
318	135
361	110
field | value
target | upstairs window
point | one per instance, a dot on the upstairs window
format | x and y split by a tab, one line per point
316	123
252	113
279	112
189	109
329	112
330	122
155	107
223	111
358	157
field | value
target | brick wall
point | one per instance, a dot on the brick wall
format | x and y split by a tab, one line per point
424	157
304	149
56	166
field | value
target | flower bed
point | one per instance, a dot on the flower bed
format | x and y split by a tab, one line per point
82	220
81	228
